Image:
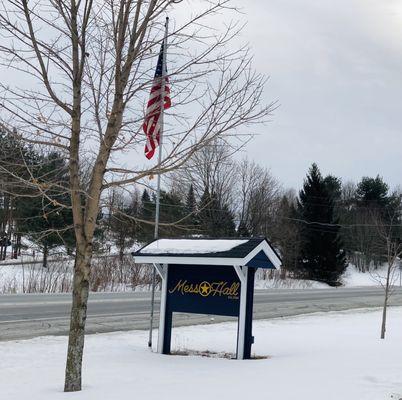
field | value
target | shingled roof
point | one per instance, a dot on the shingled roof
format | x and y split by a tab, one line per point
255	252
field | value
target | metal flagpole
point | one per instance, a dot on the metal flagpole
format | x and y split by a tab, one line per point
158	185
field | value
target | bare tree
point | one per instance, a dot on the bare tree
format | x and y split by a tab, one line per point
211	168
259	195
90	66
389	246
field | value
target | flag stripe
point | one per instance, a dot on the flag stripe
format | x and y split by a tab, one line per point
151	125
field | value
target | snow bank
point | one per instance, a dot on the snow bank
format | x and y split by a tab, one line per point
272	279
352	277
33	278
20	277
190	246
329	356
289	283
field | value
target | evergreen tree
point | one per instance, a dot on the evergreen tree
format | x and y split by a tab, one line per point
45	216
334	187
286	233
17	161
372	193
191	204
242	230
192	220
226	221
372	201
321	256
146	213
216	220
205	213
172	211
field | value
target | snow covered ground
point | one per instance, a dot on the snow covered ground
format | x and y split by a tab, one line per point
353	278
320	357
289	284
33	278
58	278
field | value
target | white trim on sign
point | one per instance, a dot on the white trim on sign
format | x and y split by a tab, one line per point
266	248
162	313
187	260
242	274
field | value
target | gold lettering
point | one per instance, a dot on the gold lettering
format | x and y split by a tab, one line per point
206	289
179	287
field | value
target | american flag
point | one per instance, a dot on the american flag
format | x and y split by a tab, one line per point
153	115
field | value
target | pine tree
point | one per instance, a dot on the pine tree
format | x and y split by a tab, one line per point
46	218
321	257
372	201
242	230
205	213
286	233
191	209
226	221
191	204
216	220
172	211
13	177
372	193
146	213
334	187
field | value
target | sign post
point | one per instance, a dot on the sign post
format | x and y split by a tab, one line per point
212	283
242	274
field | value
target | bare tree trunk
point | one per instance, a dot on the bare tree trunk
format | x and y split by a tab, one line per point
14	247
18	247
45	254
384	317
10	223
386	296
77	322
3	229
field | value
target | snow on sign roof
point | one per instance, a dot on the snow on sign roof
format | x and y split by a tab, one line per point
190	246
253	252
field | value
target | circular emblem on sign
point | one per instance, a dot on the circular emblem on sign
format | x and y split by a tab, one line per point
205	289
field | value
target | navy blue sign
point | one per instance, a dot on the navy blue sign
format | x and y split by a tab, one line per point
207	289
211	289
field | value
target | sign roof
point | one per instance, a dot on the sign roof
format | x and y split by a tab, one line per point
255	252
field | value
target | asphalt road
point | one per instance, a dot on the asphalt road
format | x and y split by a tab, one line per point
31	315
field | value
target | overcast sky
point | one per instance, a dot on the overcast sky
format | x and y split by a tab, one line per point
336	69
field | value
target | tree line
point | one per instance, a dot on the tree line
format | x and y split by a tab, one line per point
316	231
34	200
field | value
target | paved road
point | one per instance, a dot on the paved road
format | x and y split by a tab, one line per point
30	315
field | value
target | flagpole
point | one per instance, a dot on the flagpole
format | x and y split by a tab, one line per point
158	185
